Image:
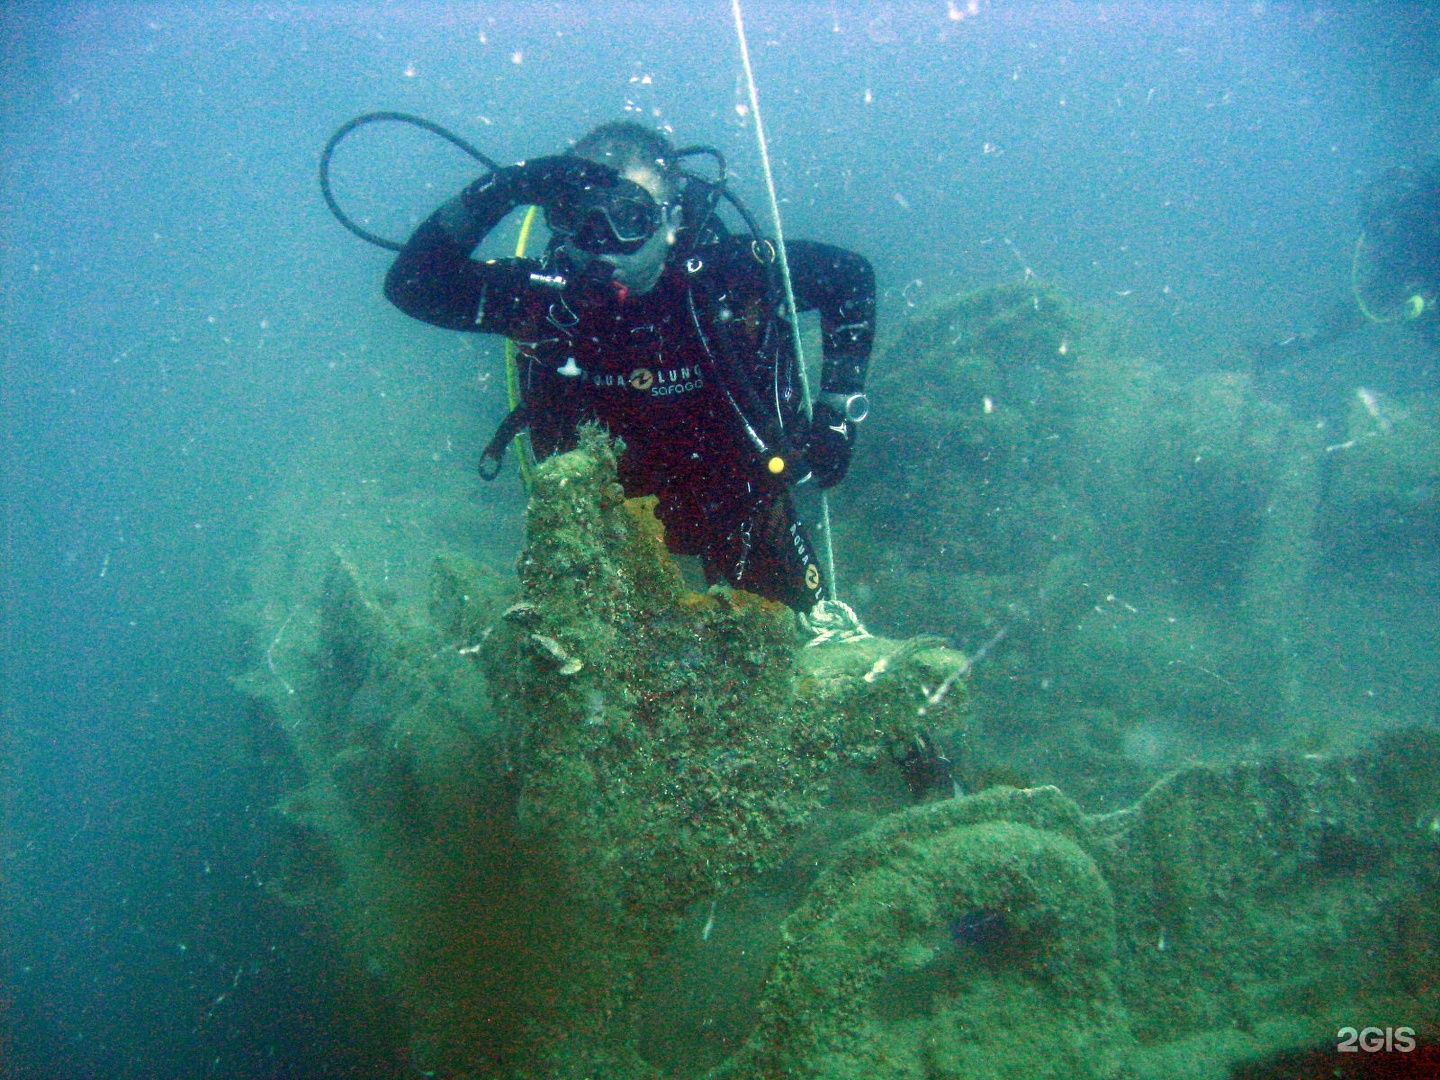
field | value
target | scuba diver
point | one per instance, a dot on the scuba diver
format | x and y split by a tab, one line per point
1402	240
647	315
1395	271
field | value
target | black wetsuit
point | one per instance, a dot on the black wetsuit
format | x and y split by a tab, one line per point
697	376
1402	238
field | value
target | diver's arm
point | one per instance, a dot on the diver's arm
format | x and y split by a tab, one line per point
435	280
841	286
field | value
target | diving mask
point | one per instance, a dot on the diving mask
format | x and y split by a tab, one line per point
614	220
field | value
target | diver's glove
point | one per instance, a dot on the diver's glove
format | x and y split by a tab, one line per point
828	446
546	182
543	181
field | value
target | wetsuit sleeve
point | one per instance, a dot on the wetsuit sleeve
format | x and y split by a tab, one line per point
841	286
433	279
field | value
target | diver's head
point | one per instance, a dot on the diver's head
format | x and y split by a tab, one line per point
631	225
638	153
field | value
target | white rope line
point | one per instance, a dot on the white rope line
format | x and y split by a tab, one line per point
827	547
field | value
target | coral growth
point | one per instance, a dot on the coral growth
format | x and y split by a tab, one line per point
511	802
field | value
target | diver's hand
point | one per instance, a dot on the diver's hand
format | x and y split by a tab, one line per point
544	182
548	181
827	449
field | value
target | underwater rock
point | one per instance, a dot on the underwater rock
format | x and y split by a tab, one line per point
657	727
465	599
510	803
1383	505
962	464
985	928
1142	526
971	938
1231	914
1266	905
350	632
395	833
380	787
302	865
668	746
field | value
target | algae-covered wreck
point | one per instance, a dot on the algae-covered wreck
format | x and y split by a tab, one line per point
589	823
